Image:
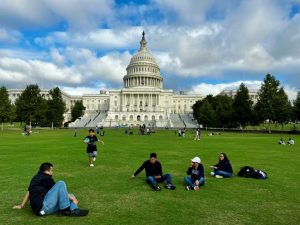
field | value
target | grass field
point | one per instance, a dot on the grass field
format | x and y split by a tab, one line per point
113	198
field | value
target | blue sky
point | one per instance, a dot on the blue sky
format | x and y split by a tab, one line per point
202	47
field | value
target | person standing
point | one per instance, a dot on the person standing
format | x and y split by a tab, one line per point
197	135
196	172
47	197
91	149
223	168
75	132
154	173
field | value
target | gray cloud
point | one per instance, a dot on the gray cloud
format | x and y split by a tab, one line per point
192	39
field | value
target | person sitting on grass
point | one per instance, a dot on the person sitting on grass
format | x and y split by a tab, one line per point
281	141
196	172
154	173
91	149
291	142
47	197
223	168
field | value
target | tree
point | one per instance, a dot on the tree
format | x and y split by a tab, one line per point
56	108
30	106
206	114
283	107
6	108
266	105
77	110
296	107
222	106
213	111
199	103
242	106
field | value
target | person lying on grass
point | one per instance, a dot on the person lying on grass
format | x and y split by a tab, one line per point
47	197
223	168
196	172
154	173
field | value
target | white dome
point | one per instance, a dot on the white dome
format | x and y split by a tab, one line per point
142	69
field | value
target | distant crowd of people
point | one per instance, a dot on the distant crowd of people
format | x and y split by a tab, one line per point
290	141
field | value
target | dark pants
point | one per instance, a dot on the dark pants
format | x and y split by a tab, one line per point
152	180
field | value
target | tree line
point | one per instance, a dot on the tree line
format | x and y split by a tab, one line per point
32	108
273	106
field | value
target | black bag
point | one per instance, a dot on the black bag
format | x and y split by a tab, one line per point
250	172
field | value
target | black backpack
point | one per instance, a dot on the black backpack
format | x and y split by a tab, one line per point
250	172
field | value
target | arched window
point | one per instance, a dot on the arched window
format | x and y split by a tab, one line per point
138	118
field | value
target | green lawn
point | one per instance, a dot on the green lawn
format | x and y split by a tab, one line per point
113	198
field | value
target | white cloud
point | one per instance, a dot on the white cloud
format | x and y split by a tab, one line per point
215	89
123	38
83	90
189	39
73	67
19	71
76	14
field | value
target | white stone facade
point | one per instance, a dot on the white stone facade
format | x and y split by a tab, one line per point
141	101
253	94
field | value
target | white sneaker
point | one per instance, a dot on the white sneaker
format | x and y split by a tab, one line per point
94	159
92	165
218	176
212	173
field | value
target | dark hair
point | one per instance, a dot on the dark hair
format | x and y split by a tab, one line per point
153	155
91	130
225	158
45	166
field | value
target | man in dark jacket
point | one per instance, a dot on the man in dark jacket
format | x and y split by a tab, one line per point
47	197
154	173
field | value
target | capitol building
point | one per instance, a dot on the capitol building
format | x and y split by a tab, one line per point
142	100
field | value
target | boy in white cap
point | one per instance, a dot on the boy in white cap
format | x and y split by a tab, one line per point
196	172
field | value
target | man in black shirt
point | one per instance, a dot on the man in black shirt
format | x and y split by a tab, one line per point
47	197
154	173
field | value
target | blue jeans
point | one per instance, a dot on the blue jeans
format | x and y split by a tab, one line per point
189	181
152	180
222	173
57	198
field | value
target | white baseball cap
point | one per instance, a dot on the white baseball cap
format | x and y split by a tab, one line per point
196	159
